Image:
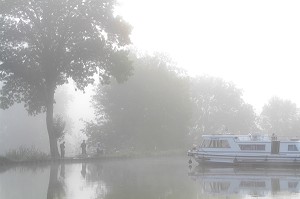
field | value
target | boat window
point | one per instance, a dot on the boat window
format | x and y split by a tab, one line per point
216	187
257	184
215	144
205	143
292	147
253	147
292	184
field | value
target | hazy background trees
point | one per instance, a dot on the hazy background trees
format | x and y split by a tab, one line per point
281	117
161	108
218	107
150	111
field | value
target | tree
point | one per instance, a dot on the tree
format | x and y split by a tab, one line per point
44	44
219	107
150	111
281	117
59	125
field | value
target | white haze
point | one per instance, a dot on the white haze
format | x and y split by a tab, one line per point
255	44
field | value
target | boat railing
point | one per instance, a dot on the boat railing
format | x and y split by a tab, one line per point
245	138
285	138
252	137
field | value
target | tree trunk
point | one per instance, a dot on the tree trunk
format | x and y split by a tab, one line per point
49	121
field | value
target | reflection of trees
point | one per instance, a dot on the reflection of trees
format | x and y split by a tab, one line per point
140	179
56	184
95	175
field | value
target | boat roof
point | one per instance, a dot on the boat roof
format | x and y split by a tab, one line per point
234	135
254	136
223	135
249	137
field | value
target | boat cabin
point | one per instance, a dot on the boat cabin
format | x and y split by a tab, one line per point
248	143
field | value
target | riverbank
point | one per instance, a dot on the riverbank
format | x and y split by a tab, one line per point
4	161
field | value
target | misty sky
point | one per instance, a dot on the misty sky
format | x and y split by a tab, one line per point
255	44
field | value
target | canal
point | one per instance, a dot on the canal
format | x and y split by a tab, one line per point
147	178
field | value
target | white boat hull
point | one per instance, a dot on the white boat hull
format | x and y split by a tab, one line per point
247	158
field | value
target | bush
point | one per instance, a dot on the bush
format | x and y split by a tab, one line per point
26	154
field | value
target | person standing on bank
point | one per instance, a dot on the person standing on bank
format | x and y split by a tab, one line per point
83	147
62	150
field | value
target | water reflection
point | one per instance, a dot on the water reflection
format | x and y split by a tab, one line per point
83	170
247	181
161	178
56	187
62	171
70	181
126	179
143	178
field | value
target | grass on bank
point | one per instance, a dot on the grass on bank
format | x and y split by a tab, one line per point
32	154
140	154
26	154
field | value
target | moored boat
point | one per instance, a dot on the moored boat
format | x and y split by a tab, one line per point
252	149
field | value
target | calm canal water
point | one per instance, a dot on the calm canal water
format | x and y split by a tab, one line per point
149	178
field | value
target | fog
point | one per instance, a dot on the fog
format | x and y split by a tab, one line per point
253	44
234	60
112	99
19	129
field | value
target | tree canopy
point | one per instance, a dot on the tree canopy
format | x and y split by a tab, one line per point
281	117
219	107
150	111
44	44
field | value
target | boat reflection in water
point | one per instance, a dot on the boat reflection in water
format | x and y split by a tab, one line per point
247	181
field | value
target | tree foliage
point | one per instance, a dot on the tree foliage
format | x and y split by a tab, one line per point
44	44
149	111
59	127
219	108
281	117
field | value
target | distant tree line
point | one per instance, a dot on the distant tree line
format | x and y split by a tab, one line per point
161	108
281	117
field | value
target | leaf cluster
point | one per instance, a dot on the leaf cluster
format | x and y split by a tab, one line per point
44	44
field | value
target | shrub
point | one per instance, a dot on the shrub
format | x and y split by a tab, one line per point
24	153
